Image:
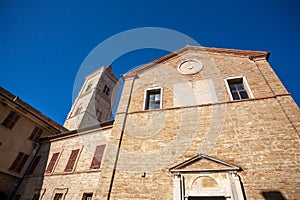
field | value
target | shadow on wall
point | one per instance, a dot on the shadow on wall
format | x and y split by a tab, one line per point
30	186
3	196
273	195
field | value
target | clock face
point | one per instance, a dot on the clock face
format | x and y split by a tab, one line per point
190	67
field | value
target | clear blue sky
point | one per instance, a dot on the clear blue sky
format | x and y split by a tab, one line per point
43	43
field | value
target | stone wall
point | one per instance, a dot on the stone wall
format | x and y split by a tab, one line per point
256	133
8	183
82	179
259	134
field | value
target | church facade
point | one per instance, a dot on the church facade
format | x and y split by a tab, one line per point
199	123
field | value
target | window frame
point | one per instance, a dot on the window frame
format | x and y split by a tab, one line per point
245	83
146	91
106	90
36	134
60	196
19	162
62	191
55	163
11	120
98	156
86	194
71	161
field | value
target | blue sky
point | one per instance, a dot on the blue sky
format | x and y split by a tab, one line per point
44	43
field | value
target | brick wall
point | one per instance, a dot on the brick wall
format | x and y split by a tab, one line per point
8	183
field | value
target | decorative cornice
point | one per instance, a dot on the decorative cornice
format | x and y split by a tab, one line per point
260	56
180	167
102	126
251	54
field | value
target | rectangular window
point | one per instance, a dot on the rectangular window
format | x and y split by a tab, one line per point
87	196
59	193
106	90
34	164
238	88
10	120
19	162
96	163
58	196
153	99
36	134
72	160
52	162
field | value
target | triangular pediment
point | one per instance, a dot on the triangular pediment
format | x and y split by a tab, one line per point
232	52
204	163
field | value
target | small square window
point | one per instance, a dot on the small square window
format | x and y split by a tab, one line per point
87	196
58	196
153	99
238	88
59	193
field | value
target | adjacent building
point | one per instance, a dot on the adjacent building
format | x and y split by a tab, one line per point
20	130
197	124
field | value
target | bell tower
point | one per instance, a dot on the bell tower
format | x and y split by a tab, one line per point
95	100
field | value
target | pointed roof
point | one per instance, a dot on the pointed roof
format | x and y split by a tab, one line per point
251	54
204	163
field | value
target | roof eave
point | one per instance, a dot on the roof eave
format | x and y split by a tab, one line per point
7	96
251	54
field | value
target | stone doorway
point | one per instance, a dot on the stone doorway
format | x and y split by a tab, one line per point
206	178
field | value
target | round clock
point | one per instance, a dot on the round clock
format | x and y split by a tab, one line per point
190	67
